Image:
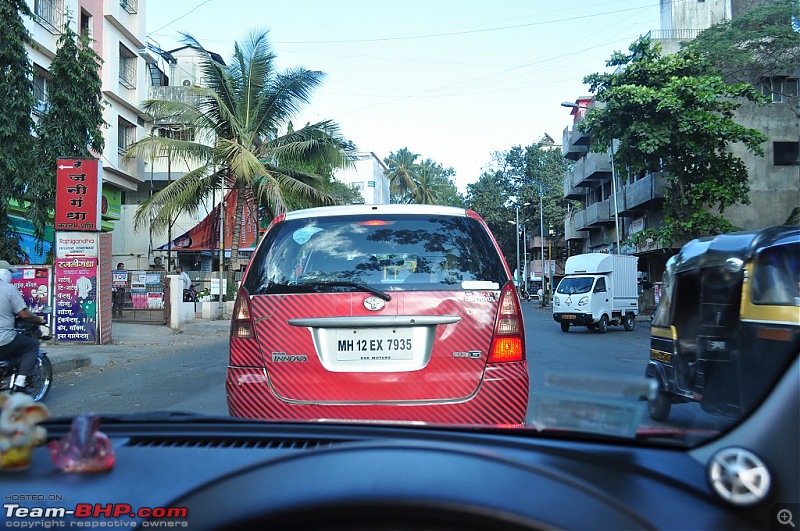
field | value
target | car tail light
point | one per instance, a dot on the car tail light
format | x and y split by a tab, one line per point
241	325
508	341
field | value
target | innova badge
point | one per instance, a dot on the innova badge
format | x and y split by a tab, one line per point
374	304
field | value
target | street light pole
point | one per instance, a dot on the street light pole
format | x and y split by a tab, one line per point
541	242
516	237
525	255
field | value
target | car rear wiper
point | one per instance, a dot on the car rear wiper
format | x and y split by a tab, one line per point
348	283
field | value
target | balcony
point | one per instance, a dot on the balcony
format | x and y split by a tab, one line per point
172	93
640	194
579	138
670	40
569	149
579	220
597	214
570	190
131	6
571	232
50	14
620	202
592	169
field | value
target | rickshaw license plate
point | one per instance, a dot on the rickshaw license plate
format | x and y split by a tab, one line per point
663	357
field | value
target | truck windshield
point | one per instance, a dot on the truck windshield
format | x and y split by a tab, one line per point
575	285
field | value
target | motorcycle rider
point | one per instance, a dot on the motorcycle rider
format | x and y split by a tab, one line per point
12	343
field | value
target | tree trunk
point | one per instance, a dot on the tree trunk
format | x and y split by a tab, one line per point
237	225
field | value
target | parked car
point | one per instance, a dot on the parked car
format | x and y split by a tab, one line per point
349	312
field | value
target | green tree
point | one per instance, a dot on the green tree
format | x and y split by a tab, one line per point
72	125
539	169
433	185
403	174
426	182
339	192
488	197
675	114
16	125
758	46
240	111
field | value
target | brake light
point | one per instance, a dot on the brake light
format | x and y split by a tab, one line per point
508	341
241	325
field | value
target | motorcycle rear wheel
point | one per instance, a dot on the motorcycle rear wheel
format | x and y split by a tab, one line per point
40	384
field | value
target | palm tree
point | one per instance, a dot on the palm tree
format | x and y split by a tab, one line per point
432	184
238	113
403	174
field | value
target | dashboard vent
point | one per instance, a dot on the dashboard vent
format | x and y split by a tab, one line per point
236	443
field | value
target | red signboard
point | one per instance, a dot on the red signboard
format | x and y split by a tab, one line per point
79	190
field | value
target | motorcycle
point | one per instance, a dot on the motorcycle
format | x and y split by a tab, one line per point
40	384
727	325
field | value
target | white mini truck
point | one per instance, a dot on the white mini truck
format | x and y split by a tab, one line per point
597	290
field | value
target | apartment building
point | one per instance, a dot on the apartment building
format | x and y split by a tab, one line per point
613	211
171	74
366	175
118	30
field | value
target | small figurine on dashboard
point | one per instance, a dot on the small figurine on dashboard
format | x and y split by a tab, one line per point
85	448
19	433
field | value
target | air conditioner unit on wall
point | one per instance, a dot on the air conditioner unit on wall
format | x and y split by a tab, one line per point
187	82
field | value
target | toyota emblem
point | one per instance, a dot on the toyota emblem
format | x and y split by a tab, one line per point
374	304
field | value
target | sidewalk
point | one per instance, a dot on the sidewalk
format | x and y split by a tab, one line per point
127	339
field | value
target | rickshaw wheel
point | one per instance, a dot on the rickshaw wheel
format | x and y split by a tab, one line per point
629	322
660	406
602	325
564	326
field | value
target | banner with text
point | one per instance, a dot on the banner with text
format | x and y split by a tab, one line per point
76	287
33	282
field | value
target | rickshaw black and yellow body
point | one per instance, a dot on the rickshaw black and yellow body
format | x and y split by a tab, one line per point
728	323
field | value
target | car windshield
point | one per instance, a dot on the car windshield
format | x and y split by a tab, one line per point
507	215
575	285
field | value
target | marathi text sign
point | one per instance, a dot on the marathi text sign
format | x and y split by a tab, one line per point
76	287
78	194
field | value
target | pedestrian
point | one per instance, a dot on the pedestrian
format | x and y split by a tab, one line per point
186	284
118	293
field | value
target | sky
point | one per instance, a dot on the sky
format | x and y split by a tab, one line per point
452	80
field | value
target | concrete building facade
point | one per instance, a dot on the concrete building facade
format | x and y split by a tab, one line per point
637	201
366	175
117	28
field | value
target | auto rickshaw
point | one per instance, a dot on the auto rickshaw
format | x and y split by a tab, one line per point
728	322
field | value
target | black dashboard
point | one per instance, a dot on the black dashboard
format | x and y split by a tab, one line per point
231	474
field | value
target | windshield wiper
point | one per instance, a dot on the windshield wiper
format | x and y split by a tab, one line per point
350	284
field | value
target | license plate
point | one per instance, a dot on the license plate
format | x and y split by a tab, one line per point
661	356
374	345
568	317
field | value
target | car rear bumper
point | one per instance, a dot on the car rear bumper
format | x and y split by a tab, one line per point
501	399
575	318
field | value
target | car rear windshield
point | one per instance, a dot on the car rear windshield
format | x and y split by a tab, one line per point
389	252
